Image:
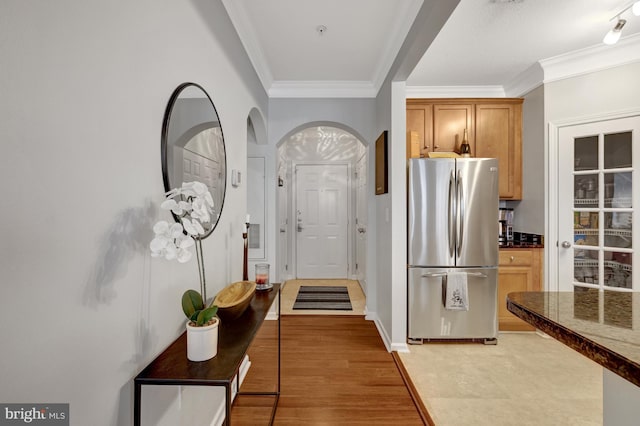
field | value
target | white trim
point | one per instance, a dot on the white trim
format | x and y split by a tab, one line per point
388	344
593	118
551	212
455	92
525	82
250	41
218	417
590	59
322	89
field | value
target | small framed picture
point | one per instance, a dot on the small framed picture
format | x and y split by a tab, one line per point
382	184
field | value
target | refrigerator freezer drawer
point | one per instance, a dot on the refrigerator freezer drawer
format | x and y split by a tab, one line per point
428	317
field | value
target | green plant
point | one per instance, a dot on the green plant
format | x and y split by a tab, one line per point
193	307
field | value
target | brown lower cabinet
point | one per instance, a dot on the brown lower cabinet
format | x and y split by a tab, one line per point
518	270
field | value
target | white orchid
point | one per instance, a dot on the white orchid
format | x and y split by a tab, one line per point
192	210
170	242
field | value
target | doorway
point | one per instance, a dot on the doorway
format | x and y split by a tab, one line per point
317	203
597	195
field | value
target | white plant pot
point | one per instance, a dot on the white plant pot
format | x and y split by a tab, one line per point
202	342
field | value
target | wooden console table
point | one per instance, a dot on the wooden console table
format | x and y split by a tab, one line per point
172	367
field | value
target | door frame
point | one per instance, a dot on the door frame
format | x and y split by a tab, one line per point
350	213
552	174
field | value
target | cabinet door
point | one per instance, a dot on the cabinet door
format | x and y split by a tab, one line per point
510	279
498	136
449	122
420	120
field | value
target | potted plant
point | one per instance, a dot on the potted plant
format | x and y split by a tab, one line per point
191	205
202	327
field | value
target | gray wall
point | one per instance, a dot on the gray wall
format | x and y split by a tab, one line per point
84	87
529	212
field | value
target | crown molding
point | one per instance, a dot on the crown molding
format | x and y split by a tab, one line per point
525	82
455	92
322	89
591	59
250	41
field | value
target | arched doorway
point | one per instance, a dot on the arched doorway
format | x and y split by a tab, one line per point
322	203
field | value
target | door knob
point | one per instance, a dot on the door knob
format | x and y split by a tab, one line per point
566	244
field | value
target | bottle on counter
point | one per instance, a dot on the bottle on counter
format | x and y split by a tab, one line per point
465	149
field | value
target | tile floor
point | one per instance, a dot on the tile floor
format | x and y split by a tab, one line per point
526	379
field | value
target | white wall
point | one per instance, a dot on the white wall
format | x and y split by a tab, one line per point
84	86
608	91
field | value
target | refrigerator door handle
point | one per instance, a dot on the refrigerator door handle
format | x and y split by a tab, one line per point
477	274
444	274
461	212
434	274
452	216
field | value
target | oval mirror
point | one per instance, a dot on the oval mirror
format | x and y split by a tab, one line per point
193	146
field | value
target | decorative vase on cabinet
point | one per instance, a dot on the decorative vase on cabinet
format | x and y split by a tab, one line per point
202	342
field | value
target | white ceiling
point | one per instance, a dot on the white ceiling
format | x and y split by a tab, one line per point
484	42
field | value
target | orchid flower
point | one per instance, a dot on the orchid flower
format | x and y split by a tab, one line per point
193	207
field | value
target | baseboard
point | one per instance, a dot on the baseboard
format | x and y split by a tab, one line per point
391	347
415	396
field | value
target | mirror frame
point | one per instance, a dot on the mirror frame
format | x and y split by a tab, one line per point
165	144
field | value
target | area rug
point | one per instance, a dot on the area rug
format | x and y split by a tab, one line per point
323	298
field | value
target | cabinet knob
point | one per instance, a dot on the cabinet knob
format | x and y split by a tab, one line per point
436	146
512	258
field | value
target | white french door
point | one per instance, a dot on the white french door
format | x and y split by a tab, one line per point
597	205
321	221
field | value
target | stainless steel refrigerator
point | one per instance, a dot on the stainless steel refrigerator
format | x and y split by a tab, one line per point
452	241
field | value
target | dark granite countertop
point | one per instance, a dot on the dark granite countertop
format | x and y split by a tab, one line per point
521	245
604	327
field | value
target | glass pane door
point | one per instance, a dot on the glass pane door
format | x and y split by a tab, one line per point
600	204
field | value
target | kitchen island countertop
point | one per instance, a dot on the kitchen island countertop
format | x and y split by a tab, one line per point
602	326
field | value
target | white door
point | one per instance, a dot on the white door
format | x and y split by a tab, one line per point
361	219
597	194
321	221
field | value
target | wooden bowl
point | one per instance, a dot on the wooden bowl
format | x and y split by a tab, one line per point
234	299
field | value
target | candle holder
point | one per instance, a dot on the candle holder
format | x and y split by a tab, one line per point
245	262
262	277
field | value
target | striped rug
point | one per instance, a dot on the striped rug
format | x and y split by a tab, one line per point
323	297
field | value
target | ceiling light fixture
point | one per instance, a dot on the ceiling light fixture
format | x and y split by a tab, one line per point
613	36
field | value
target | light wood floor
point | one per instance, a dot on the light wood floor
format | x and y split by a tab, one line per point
335	371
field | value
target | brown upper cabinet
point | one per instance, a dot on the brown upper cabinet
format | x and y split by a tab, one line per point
494	127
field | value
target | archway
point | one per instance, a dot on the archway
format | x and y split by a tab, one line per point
323	149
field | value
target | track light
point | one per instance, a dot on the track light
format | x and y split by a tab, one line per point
613	36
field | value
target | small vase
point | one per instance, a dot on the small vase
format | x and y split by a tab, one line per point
202	342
